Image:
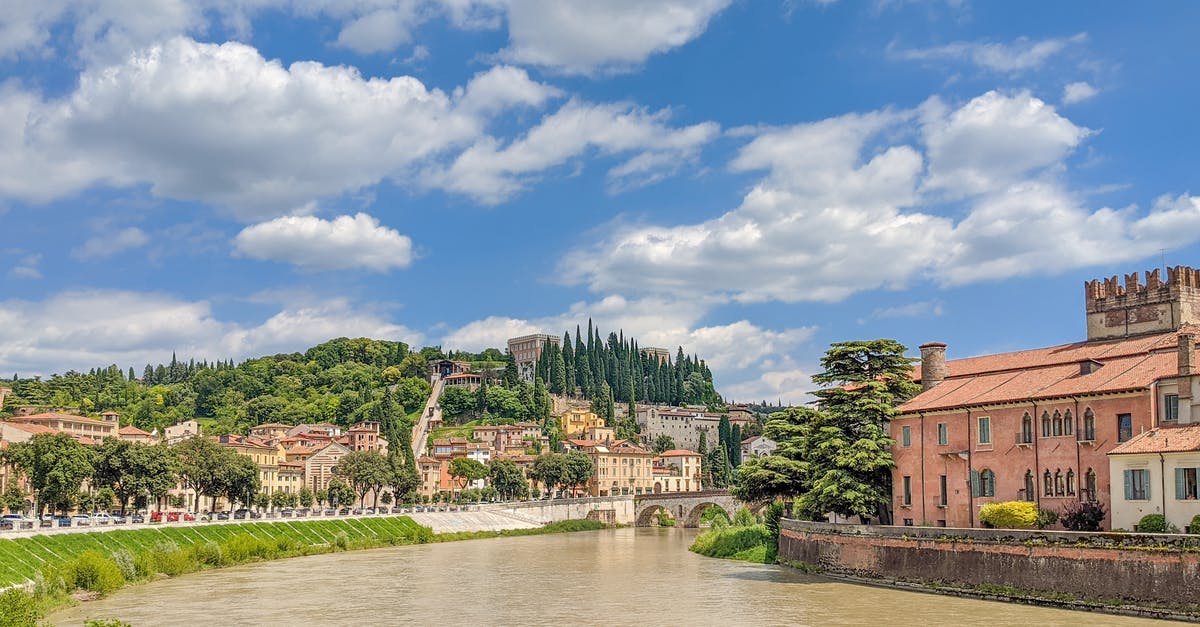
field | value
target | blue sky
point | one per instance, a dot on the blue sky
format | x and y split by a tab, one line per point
750	180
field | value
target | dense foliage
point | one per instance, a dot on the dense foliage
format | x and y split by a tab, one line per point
1083	516
1010	515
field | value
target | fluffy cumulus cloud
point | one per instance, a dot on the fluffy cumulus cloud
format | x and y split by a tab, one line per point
109	244
312	243
81	329
222	125
491	171
583	37
864	201
1020	55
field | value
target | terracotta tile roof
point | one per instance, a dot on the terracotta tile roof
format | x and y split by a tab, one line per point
679	453
31	427
57	416
1054	372
1181	439
271	425
132	430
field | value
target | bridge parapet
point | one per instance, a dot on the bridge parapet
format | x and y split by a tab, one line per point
685	507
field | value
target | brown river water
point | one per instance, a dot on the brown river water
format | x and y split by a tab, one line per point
612	577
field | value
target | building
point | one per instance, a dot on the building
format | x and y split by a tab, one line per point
573	423
663	355
599	434
446	367
1156	473
740	414
267	457
364	436
271	431
318	468
619	467
179	432
527	350
469	380
133	434
76	426
683	426
1038	424
678	471
757	446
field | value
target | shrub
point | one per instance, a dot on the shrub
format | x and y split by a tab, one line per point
742	542
1195	526
1083	516
126	562
19	609
1010	514
1155	523
209	553
105	622
771	523
341	541
1046	517
167	558
713	513
743	517
94	572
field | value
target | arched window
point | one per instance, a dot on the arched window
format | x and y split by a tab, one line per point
1089	425
1070	483
1029	487
1057	423
1047	484
1068	423
1045	424
1089	484
1026	429
1060	484
987	483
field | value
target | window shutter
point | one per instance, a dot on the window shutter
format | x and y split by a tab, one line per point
1146	483
974	483
1128	485
1180	485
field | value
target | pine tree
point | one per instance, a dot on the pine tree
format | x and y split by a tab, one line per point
735	451
558	374
569	365
511	375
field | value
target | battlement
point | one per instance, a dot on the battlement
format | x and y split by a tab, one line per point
1116	309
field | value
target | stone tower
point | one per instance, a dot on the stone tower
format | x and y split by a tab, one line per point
1116	311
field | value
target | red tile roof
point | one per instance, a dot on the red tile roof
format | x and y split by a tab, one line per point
56	416
679	453
1053	372
1181	439
132	430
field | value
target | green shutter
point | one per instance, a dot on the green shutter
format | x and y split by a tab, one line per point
1180	485
1128	485
906	434
974	483
1146	484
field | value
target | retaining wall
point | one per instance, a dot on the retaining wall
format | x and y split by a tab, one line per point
1160	569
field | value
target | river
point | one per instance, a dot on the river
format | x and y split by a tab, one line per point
613	577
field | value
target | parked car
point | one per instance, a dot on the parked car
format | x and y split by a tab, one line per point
343	511
118	518
218	515
329	511
100	518
137	518
81	520
287	512
302	512
156	517
17	521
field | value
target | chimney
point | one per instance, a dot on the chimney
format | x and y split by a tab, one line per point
933	364
1187	343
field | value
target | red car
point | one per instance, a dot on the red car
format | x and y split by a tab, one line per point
171	516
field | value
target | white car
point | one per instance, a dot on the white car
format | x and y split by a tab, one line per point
101	518
81	520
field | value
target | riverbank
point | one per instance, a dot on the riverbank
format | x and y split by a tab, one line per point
748	543
49	572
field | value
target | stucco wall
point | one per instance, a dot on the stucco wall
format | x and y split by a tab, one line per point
1162	498
1085	566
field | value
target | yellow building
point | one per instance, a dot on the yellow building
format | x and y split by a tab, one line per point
268	459
620	467
574	423
678	471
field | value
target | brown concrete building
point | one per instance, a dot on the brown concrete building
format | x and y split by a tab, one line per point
527	349
1037	424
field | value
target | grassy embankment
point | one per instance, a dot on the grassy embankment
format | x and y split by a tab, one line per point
750	543
63	566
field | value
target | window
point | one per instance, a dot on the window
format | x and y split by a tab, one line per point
1089	426
1068	423
906	436
943	436
1030	495
983	483
985	430
907	490
1047	484
1045	424
908	522
1185	484
1026	429
1137	485
1070	483
943	496
1124	427
1089	484
1171	408
1060	483
1058	423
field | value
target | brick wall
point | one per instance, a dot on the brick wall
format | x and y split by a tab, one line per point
1164	570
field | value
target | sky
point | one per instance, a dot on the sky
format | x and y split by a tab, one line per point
750	180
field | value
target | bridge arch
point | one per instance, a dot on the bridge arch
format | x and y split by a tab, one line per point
685	507
693	517
646	517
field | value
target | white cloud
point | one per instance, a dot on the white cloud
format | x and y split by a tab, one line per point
492	172
83	329
110	244
312	243
27	267
846	206
1078	92
585	37
920	309
502	87
791	385
1021	55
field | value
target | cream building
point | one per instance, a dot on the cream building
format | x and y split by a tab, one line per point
619	468
1156	472
77	426
678	471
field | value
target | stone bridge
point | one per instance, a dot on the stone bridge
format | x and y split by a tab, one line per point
684	507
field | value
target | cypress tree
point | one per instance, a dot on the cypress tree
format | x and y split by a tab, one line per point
568	364
735	451
558	374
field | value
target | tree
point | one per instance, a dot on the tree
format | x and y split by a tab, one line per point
548	470
339	493
305	497
845	444
735	446
134	469
414	365
322	496
204	465
577	469
466	470
280	499
364	471
240	480
13	499
403	478
55	464
663	443
719	470
508	480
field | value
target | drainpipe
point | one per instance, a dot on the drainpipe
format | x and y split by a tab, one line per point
1162	475
1037	474
1078	452
970	486
922	436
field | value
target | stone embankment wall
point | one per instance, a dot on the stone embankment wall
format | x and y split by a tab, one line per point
1105	568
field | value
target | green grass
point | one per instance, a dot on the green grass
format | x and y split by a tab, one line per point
457	431
748	544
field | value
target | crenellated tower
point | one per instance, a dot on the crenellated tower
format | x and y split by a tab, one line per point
1116	310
